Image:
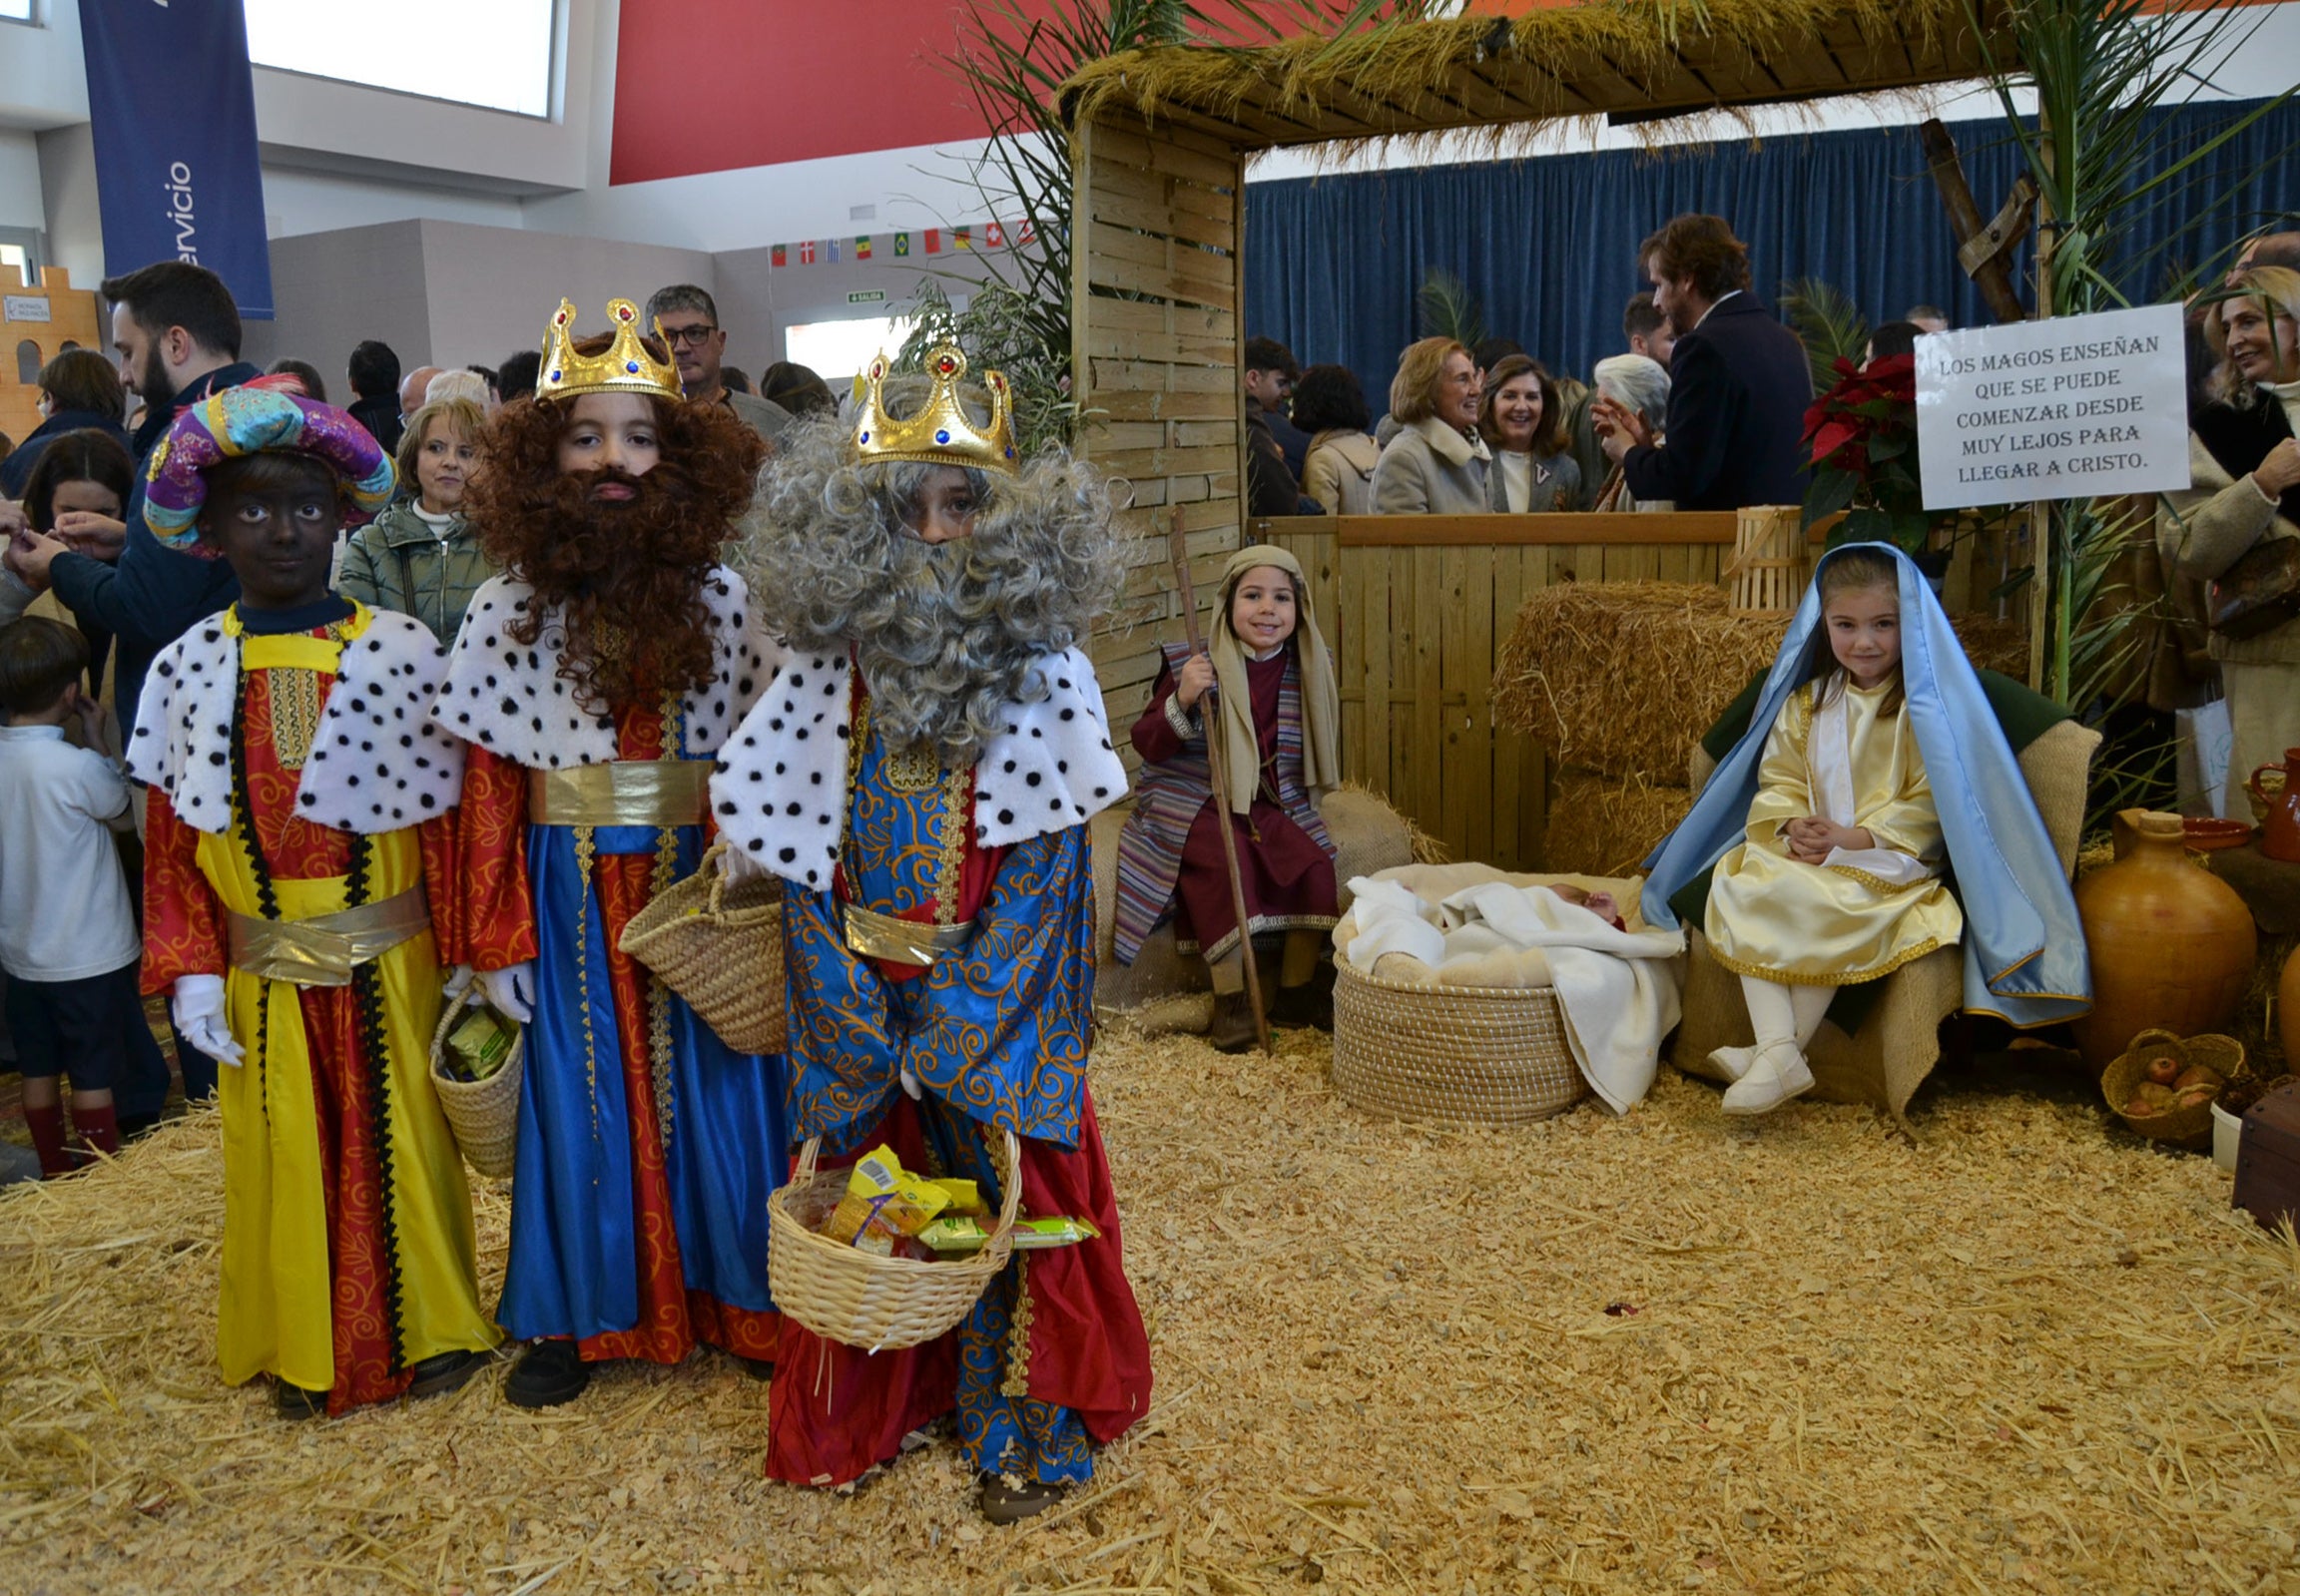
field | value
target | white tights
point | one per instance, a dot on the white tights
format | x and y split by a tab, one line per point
1785	1013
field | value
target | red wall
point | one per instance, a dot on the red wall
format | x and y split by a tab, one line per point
716	85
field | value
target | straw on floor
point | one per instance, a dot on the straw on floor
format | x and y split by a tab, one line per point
2022	1353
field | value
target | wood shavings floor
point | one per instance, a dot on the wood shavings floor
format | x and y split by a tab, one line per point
2024	1354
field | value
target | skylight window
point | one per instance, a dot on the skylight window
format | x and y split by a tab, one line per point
491	52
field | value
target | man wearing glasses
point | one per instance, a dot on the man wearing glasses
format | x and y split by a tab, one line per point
690	322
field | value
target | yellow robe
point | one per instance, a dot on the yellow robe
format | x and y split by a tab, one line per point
280	1288
1801	924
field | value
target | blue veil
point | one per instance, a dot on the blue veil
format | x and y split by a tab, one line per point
2024	957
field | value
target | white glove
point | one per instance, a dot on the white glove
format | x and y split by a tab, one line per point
737	864
911	1084
458	982
196	1007
511	991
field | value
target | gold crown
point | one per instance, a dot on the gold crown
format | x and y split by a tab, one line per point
626	367
939	434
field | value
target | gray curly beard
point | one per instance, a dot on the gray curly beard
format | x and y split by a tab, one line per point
945	634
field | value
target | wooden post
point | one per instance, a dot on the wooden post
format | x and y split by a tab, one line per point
1982	249
2040	575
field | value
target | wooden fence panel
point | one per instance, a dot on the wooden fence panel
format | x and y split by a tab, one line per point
1155	296
1417	611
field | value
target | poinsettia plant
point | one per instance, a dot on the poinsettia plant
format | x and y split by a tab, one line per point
1861	434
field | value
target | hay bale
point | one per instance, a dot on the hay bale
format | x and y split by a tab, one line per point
1993	644
1622	677
1602	826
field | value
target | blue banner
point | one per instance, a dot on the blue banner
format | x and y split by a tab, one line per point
174	108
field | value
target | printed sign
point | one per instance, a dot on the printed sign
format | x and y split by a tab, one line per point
867	296
24	307
2065	408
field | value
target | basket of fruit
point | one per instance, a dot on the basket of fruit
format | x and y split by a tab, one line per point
2163	1086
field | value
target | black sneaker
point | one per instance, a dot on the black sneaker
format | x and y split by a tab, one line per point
445	1372
548	1374
757	1368
1010	1505
295	1403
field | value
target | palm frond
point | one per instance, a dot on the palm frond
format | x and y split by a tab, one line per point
1830	324
1446	308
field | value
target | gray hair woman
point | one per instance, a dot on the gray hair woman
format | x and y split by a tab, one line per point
1438	465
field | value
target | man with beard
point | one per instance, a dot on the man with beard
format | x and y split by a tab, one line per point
595	680
920	773
178	333
1739	382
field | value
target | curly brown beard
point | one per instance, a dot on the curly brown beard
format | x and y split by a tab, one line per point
626	578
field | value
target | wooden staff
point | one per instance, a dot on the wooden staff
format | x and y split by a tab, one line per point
1213	751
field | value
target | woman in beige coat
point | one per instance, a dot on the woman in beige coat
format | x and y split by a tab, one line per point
2245	488
1339	470
1437	465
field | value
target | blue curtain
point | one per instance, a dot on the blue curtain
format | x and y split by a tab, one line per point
1548	245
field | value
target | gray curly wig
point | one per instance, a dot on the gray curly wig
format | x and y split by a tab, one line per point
944	634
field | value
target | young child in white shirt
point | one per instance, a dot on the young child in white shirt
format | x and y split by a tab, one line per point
68	938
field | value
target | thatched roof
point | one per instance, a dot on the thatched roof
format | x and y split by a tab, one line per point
1633	59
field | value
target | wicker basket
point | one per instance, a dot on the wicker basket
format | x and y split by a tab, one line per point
1485	1055
485	1114
858	1299
2183	1127
719	945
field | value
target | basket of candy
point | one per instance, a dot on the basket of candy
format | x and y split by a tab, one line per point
851	1253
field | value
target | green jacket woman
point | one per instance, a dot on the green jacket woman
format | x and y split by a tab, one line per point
420	557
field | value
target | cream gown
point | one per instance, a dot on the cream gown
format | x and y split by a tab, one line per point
1864	913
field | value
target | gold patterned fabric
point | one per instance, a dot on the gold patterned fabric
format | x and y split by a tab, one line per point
1772	917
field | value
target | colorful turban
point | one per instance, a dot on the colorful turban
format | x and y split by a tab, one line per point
259	419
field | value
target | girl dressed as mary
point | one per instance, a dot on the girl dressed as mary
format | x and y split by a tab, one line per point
1266	686
1872	765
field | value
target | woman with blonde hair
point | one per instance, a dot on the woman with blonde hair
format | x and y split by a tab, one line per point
421	556
1438	465
1523	424
2244	493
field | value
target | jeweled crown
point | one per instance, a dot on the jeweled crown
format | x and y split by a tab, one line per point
626	367
939	434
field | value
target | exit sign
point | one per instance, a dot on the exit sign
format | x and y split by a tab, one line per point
867	296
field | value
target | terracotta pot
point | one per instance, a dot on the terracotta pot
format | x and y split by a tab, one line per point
2288	1011
2280	814
2171	945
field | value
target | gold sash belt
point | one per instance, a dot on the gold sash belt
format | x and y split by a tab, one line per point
624	792
883	937
322	950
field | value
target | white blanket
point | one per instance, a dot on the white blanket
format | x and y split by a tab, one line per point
1618	990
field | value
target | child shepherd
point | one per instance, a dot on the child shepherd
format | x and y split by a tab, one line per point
1873	761
1274	697
67	930
299	850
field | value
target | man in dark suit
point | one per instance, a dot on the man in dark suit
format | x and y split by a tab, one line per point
1739	382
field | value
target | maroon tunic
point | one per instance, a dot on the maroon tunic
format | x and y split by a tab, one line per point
1287	874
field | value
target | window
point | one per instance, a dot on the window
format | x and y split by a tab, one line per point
836	350
16	261
16	10
492	53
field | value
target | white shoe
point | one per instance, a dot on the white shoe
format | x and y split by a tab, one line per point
1778	1075
1733	1062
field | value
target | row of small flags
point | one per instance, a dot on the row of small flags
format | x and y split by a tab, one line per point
991	235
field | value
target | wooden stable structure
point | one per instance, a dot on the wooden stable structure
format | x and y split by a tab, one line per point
1160	139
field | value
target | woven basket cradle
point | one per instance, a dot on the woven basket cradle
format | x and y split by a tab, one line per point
485	1114
719	945
858	1299
1482	1054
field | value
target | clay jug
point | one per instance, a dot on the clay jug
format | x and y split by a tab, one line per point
2171	943
2280	828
